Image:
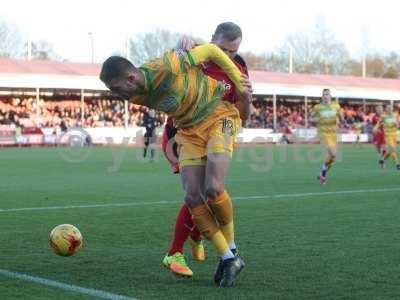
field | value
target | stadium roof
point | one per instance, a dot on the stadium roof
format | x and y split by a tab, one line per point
12	66
311	85
67	75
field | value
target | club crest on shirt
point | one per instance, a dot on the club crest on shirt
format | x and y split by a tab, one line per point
180	52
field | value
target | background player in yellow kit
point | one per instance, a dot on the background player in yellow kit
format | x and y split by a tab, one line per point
390	122
207	128
325	115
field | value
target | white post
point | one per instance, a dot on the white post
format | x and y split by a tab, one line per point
392	104
82	105
37	107
290	59
274	110
126	119
364	66
37	102
306	111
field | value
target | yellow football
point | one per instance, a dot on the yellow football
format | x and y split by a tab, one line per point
65	239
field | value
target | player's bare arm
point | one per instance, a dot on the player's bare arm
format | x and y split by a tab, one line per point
245	97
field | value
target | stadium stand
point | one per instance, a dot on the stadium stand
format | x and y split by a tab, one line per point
59	95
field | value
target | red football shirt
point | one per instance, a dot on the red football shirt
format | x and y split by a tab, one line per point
375	120
214	71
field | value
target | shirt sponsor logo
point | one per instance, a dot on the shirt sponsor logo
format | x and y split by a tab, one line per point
328	113
391	120
227	86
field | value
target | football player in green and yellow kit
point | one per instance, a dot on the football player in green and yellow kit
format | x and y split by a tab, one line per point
207	128
325	115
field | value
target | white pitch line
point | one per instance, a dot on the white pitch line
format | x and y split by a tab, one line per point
320	193
68	287
276	196
87	206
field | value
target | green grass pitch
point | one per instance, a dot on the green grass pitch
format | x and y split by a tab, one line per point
300	240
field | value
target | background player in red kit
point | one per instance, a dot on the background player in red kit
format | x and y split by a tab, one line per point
228	37
378	138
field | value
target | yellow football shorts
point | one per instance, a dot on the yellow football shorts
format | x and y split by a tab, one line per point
215	134
329	140
391	141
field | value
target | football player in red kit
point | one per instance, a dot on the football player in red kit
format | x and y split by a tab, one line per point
228	37
378	138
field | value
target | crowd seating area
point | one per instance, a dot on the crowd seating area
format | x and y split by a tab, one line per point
27	112
68	113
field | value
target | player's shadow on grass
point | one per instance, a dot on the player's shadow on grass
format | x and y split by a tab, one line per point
194	282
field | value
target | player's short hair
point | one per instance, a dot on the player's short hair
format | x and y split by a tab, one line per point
326	90
229	31
115	67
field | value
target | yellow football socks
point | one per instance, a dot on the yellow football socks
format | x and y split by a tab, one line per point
394	156
387	155
329	161
222	208
208	227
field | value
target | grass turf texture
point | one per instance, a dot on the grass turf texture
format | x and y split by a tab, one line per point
336	246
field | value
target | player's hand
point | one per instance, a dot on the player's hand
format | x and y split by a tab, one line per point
248	92
185	43
247	83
